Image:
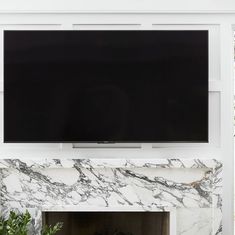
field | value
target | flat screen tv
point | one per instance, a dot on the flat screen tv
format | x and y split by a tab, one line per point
106	86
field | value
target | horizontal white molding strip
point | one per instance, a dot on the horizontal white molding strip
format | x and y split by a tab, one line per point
123	18
215	86
107	26
206	25
110	24
107	145
28	24
120	11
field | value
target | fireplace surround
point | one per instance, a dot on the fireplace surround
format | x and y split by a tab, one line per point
188	189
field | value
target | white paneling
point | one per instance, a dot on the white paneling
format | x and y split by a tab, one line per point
30	26
214	53
113	22
106	26
121	5
216	86
214	127
214	118
109	18
220	86
66	23
227	140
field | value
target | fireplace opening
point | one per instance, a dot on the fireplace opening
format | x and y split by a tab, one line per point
110	223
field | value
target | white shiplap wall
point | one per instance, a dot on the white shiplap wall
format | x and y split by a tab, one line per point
220	28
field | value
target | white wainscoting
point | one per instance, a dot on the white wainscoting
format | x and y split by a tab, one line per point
106	22
221	53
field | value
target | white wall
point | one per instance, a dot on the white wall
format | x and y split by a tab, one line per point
220	28
116	5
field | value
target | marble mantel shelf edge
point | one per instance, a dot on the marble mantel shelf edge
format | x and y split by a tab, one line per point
111	163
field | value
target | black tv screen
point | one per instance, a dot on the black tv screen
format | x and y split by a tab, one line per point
106	86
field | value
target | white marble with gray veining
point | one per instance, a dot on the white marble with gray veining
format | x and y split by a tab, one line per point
192	186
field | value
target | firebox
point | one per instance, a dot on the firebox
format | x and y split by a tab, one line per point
110	223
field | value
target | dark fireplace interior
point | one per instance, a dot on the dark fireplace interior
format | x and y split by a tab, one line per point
110	223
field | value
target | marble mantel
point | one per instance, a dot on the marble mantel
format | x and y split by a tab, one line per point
190	187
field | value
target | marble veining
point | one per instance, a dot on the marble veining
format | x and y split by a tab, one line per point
192	186
111	163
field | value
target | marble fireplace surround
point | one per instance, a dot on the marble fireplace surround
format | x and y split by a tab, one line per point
190	189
